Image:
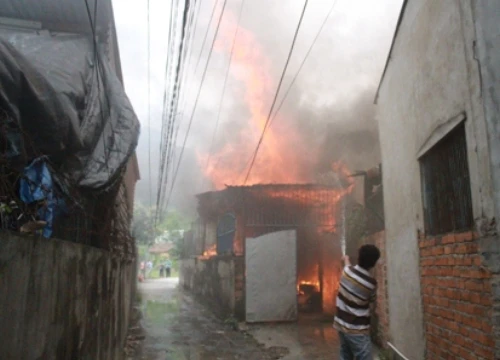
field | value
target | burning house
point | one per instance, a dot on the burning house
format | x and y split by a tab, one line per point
266	252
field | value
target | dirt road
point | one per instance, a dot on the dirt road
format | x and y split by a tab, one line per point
177	328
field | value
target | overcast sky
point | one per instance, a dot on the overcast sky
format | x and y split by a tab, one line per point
346	61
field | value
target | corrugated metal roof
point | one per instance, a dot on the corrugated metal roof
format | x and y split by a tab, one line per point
56	11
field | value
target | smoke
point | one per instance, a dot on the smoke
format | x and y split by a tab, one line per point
331	104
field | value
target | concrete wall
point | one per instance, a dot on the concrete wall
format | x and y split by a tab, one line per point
380	317
214	280
431	78
61	300
488	54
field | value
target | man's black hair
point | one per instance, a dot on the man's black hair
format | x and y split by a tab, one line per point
368	256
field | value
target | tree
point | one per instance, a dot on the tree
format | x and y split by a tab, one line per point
143	225
172	230
169	229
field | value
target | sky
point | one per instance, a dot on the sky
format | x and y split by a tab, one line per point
340	76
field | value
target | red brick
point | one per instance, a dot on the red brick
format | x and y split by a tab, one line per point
463	261
487	328
464	331
466	248
452	294
463	237
461	284
483	352
442	261
451	325
474	285
428	290
474	322
426	252
450	283
446	271
486	300
427	243
438	250
475	274
448	250
448	239
426	261
442	302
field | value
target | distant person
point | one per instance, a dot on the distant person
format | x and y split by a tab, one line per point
352	319
162	270
142	271
149	266
168	268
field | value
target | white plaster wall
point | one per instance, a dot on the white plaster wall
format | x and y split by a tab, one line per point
431	78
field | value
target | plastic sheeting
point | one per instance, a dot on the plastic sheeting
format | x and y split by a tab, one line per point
67	104
36	185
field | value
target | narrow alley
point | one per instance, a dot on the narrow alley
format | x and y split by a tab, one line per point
249	180
177	327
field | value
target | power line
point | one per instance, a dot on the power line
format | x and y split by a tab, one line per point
304	61
180	75
224	86
165	125
149	102
168	152
212	15
196	103
206	34
277	92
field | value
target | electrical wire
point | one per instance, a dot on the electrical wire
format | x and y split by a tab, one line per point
277	92
165	124
196	104
149	102
172	135
186	34
172	114
212	16
287	92
224	86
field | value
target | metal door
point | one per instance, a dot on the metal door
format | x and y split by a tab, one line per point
271	277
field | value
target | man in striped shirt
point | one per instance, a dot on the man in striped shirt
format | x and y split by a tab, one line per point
356	291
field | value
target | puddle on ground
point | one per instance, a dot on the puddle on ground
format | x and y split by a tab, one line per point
159	312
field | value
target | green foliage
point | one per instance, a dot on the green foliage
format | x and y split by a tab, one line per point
143	225
169	229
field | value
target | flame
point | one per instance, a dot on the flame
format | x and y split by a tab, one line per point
314	283
208	253
283	156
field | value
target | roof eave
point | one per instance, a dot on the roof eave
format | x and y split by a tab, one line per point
396	31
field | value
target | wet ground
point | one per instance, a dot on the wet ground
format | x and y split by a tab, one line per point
178	328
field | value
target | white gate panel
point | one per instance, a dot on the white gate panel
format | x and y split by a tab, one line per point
271	277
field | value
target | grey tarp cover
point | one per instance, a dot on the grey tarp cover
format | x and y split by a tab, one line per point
67	105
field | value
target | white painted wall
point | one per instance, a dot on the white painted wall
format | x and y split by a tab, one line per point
431	78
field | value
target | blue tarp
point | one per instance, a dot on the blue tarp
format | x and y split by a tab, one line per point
36	185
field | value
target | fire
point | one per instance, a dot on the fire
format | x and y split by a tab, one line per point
313	283
283	156
208	253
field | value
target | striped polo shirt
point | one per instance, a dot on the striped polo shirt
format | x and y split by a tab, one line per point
357	289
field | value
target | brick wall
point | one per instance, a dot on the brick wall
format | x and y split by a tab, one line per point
457	298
